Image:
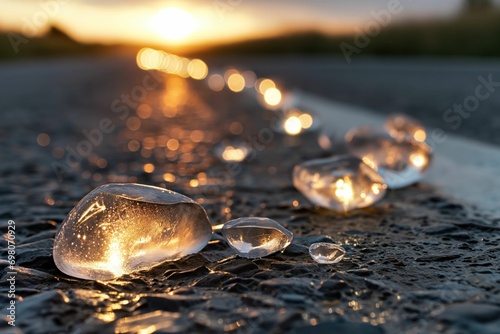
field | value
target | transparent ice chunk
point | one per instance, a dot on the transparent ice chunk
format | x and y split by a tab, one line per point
120	228
340	183
254	237
326	253
401	162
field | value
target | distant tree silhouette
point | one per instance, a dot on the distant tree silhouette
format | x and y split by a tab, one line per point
478	5
57	32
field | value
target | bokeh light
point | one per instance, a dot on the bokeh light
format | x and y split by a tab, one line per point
293	126
306	121
144	111
236	128
420	136
263	85
197	69
150	59
216	82
236	154
272	96
43	139
418	159
169	177
133	123
149	168
250	78
173	144
236	82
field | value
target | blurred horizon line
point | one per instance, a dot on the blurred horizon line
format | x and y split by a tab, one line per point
472	33
193	24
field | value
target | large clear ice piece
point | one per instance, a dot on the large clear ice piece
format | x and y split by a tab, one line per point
340	183
401	162
120	228
402	126
326	253
255	237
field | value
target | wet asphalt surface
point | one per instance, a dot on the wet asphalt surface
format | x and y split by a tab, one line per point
417	262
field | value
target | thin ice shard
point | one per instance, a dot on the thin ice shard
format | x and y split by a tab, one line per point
254	237
120	228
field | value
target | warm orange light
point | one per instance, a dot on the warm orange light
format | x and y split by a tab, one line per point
149	168
183	68
264	84
197	69
236	82
236	154
296	122
149	59
148	143
272	96
418	159
144	111
173	24
169	177
229	72
293	126
115	259
196	136
173	64
420	135
306	120
236	128
133	123
343	190
173	144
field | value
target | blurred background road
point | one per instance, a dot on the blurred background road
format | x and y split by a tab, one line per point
422	88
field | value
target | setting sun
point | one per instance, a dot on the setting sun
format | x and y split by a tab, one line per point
173	24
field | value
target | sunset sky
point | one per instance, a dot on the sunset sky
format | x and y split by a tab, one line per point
203	21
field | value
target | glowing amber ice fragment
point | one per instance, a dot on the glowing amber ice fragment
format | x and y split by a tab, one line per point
120	228
401	162
254	237
326	253
340	183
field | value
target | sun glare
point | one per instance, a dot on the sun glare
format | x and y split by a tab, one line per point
173	24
